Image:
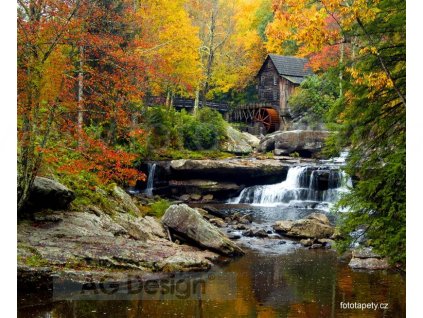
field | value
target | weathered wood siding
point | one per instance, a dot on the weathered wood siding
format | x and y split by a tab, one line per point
286	88
268	84
274	89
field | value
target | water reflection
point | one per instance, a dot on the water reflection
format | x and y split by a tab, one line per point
303	283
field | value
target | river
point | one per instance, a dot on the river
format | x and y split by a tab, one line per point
271	280
276	278
303	283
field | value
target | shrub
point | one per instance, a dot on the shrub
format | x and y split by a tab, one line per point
204	130
159	207
312	100
168	128
163	125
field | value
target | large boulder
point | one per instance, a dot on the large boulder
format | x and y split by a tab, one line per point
316	225
251	139
365	258
188	223
283	226
319	217
125	202
49	194
247	171
236	142
304	142
142	229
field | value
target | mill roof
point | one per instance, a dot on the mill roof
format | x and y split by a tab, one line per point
294	69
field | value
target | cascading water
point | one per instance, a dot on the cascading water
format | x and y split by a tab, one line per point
279	192
150	179
303	183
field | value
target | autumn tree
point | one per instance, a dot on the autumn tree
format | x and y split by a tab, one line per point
231	47
43	83
55	88
168	44
243	52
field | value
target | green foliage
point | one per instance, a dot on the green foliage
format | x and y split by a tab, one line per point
88	190
35	261
377	206
205	130
171	131
163	125
313	99
240	126
237	97
163	154
159	207
264	15
269	154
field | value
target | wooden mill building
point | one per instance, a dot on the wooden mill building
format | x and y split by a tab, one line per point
276	80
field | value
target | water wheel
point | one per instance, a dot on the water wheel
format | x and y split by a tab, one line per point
269	118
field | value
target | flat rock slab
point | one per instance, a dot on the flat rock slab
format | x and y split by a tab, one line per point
242	170
369	263
190	223
365	252
205	188
96	240
365	258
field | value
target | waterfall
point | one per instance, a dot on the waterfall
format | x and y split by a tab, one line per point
338	186
150	179
279	192
302	183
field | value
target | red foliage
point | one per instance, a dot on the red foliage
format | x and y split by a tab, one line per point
109	164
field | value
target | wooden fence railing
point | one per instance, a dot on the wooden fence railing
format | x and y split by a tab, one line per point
187	103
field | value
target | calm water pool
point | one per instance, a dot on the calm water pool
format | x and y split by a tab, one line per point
302	283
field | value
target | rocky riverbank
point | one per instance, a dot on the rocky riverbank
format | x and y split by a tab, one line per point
55	238
63	242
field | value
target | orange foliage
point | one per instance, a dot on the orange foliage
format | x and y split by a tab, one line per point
110	165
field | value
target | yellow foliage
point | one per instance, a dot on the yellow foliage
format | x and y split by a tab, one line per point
169	43
315	24
52	79
237	63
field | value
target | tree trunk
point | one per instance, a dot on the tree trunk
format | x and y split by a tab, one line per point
172	95
210	58
80	94
168	97
197	99
341	61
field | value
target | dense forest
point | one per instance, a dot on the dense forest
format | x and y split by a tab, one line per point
88	71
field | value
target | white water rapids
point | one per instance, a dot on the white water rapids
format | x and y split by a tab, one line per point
303	183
